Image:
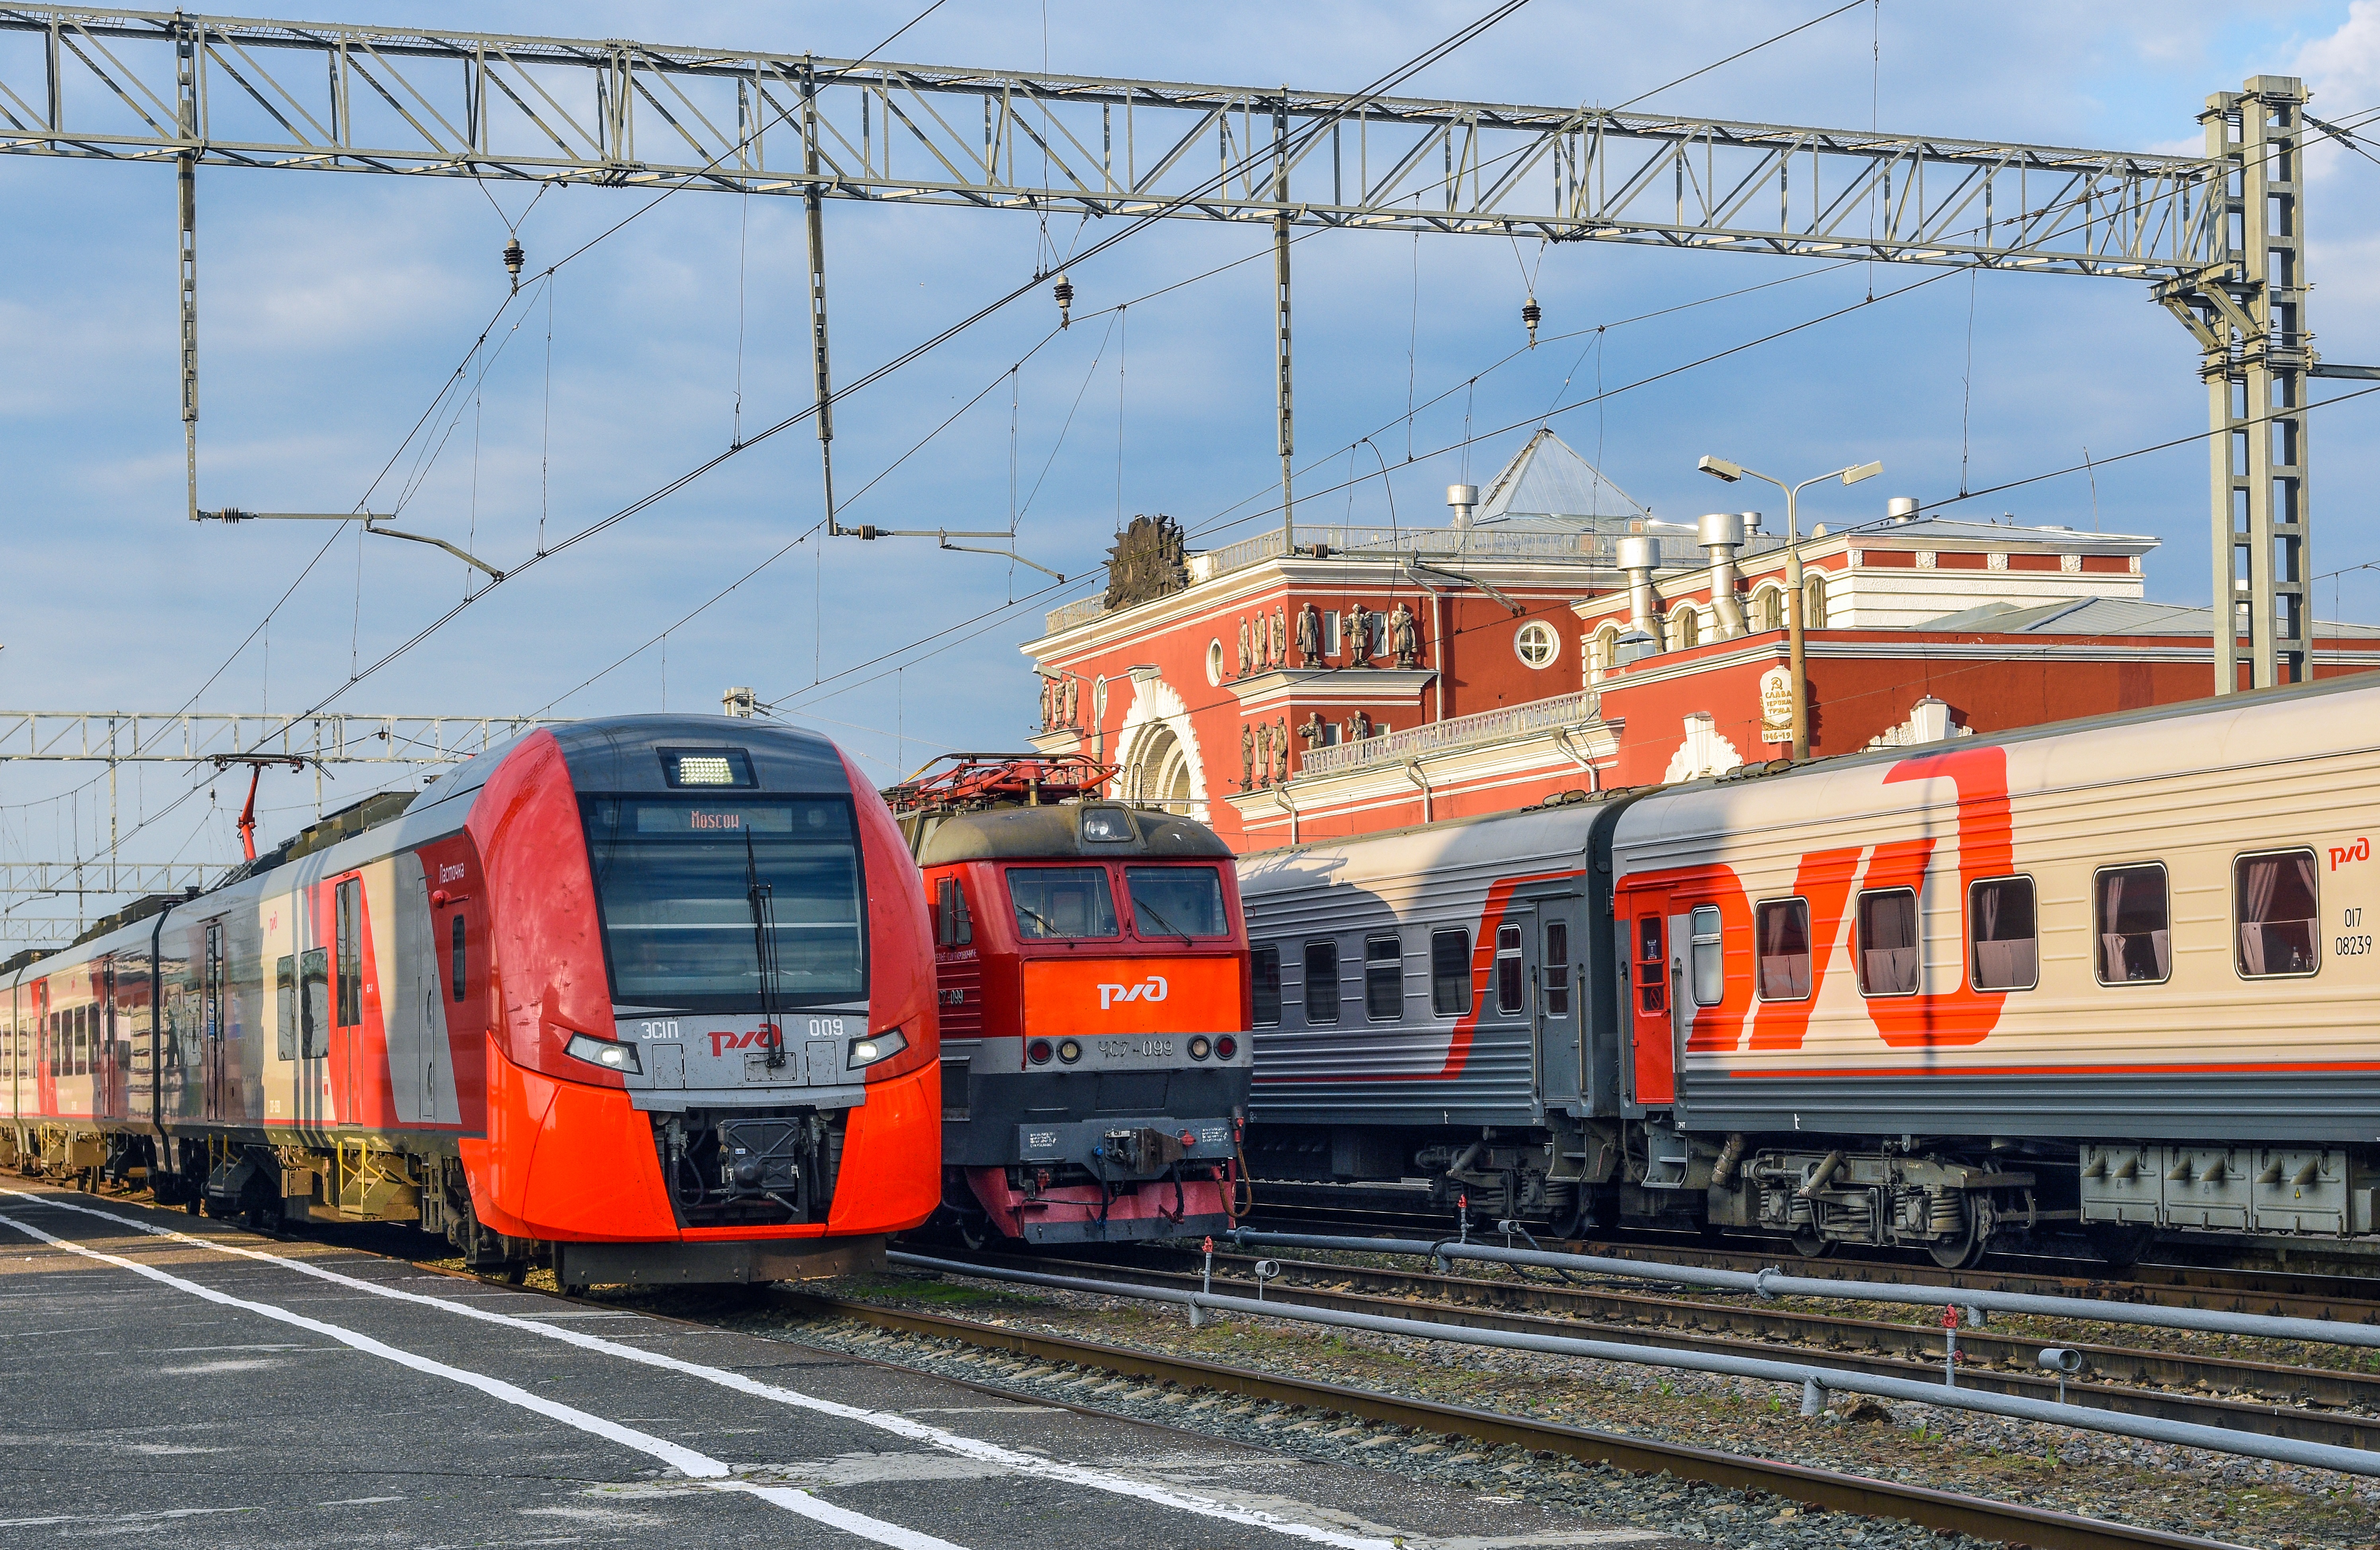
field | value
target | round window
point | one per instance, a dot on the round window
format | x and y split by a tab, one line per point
1537	643
1215	662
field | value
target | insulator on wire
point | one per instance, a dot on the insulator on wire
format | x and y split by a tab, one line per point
513	260
1530	314
1064	291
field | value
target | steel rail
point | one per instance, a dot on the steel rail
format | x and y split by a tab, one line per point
2001	1363
1829	1490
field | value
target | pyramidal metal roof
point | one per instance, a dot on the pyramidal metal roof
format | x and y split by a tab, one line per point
1547	484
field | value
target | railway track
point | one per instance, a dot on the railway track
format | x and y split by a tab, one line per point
2003	1522
2116	1379
2352	1299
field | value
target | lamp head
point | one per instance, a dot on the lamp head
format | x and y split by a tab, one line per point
1046	671
1144	672
1720	468
1865	471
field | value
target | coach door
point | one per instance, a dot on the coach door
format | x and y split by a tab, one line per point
211	1023
1561	1009
347	998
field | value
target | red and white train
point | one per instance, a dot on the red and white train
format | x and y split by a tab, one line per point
2112	976
652	993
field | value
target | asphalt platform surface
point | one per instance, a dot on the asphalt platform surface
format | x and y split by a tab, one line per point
172	1379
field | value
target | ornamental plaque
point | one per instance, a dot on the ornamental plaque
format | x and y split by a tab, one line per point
1777	705
1146	561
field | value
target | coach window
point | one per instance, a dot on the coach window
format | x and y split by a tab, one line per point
1710	966
2006	953
1508	969
1384	978
1264	974
1652	967
314	1003
1887	942
2134	925
284	1009
83	1041
1556	962
2275	898
1322	982
1450	973
347	904
1781	934
1059	901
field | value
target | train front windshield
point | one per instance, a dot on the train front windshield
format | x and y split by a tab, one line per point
675	875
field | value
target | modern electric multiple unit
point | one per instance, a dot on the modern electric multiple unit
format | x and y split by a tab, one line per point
2111	977
652	994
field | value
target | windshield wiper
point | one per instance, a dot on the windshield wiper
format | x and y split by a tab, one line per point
1159	915
762	898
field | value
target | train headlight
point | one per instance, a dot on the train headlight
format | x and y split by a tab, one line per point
610	1054
884	1047
1037	1052
1201	1047
1108	825
1070	1050
1226	1047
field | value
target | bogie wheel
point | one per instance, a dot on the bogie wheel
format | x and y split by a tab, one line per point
975	1230
1958	1253
515	1271
1809	1244
2121	1245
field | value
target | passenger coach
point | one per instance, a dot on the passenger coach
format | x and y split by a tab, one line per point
652	994
2111	976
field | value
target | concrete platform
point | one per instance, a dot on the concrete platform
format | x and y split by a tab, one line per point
182	1380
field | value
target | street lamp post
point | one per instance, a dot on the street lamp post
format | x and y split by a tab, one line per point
1720	468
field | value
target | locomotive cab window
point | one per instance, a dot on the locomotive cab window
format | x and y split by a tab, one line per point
1322	982
1057	903
1709	961
1384	978
1781	933
1887	942
2006	950
1176	901
2276	900
691	887
1508	969
1450	973
2133	924
1264	978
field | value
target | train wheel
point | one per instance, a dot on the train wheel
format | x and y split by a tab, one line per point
2121	1246
1958	1253
975	1232
1809	1244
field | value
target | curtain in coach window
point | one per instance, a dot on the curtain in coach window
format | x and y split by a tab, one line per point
2264	876
2111	942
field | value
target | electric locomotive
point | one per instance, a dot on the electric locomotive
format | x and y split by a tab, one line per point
1092	969
2099	980
650	996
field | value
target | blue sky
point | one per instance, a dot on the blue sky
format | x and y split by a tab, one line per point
332	308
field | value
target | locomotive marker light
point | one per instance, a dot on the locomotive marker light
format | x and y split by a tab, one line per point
610	1054
1797	600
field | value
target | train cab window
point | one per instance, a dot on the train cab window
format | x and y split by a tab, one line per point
1887	942
1176	901
347	906
1055	903
2006	953
1709	963
1450	973
1652	966
284	1009
314	1003
2134	925
952	926
1508	969
1264	978
459	964
2274	899
1557	963
1384	978
1780	934
1322	982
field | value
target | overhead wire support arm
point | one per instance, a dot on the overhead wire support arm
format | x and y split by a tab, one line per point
371	521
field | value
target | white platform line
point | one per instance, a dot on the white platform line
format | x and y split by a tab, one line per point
899	1425
695	1466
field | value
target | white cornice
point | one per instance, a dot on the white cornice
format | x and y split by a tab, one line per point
1450	774
1353	685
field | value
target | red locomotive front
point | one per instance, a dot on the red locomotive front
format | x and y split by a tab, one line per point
1093	969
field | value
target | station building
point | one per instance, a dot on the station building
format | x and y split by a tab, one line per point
1556	635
